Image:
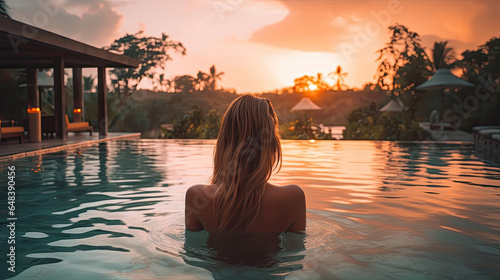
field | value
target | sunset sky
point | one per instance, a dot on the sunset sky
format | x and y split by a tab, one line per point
262	45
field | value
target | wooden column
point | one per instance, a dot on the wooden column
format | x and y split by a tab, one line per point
60	99
34	114
33	99
77	95
102	108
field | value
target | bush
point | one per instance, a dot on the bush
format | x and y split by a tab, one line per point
194	125
368	123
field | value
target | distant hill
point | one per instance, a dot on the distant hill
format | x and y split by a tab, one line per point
147	110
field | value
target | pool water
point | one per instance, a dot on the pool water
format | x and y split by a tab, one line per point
375	210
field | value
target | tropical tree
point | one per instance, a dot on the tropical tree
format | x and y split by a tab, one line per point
162	82
338	75
482	68
213	76
201	81
151	52
4	9
88	84
442	56
403	50
404	65
485	61
184	83
302	84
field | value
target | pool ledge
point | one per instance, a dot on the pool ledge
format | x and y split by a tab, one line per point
11	151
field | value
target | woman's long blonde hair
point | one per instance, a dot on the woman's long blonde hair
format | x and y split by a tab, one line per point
248	149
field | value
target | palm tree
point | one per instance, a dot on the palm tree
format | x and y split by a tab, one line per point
338	75
4	9
442	55
213	76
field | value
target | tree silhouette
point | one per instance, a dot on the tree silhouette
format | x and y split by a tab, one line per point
485	62
338	76
213	76
302	84
404	65
308	83
162	82
4	9
442	55
201	81
184	83
482	68
320	83
88	84
151	52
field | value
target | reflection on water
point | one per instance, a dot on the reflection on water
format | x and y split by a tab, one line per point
376	210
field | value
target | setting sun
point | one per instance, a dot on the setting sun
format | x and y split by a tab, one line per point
313	87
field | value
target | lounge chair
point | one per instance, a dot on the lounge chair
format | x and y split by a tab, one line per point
434	122
78	126
12	132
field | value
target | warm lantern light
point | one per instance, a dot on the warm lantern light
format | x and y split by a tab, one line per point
77	110
33	110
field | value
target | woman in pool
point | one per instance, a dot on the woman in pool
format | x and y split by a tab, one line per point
240	199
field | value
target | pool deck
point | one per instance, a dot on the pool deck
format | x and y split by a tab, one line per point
447	135
12	149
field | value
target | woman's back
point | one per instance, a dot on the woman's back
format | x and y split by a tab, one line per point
282	209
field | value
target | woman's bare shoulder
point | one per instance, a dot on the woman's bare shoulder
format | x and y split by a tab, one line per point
198	189
287	188
287	191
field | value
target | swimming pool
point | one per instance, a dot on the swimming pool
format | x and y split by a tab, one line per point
376	210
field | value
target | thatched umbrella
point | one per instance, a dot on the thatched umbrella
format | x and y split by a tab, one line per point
394	105
443	79
305	105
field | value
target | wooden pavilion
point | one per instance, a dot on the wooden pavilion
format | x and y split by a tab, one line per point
32	48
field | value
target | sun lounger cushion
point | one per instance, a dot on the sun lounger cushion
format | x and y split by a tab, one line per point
78	125
488	132
479	128
12	129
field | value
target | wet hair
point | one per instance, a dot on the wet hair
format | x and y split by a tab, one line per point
248	149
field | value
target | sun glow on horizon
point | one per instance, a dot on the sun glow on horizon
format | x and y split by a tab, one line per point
313	87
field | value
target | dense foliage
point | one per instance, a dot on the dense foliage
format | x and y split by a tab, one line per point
194	125
368	123
404	65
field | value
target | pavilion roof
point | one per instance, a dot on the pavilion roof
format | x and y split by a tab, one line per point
23	45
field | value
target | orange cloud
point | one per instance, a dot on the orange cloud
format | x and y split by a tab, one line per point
326	26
